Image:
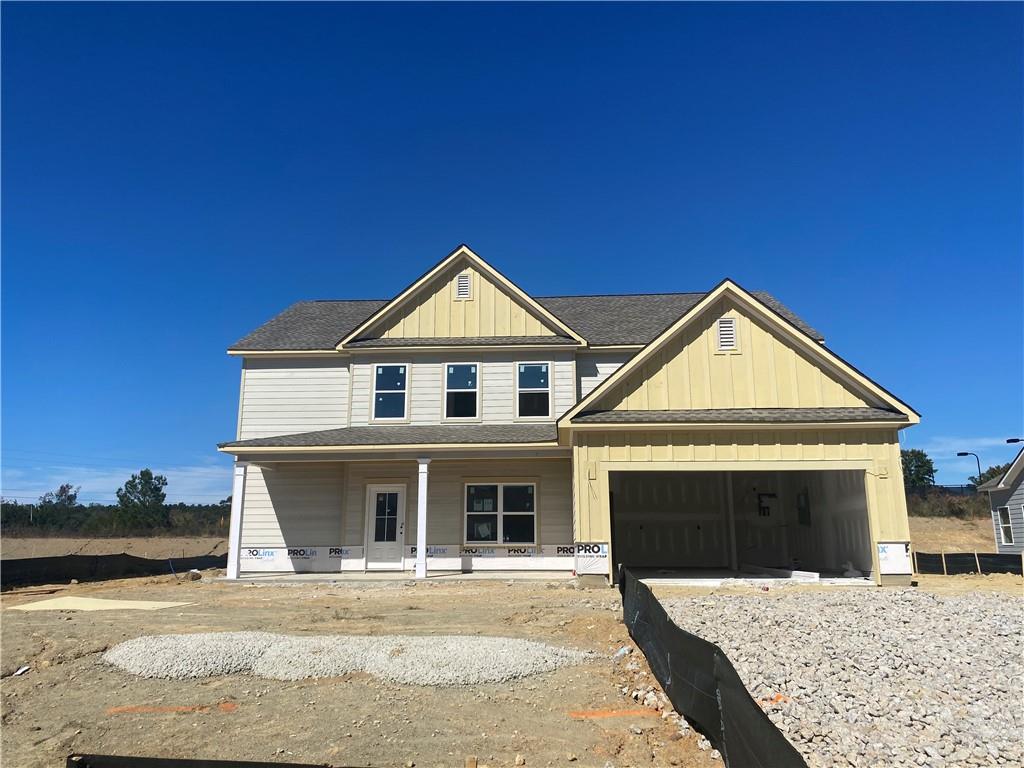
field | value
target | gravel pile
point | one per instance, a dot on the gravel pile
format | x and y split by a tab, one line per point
877	677
443	660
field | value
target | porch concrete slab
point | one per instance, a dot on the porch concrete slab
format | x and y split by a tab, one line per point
403	576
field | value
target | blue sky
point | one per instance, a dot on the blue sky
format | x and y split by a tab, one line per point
175	174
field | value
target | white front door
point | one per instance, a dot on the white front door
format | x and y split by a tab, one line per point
385	527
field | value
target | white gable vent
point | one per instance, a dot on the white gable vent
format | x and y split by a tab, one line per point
727	334
464	286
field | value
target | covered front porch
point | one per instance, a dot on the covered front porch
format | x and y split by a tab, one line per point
402	515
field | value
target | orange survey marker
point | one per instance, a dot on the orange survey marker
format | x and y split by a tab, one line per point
598	714
142	709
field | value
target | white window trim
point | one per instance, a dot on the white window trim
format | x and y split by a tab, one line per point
373	394
735	350
445	391
1004	526
501	513
550	389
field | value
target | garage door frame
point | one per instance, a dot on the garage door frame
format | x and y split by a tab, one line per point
605	468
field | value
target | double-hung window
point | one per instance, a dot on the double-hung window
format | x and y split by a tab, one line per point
533	390
462	390
1005	528
390	385
501	513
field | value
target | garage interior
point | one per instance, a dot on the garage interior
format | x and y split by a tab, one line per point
782	524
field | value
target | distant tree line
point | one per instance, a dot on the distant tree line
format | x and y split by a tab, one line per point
141	510
926	499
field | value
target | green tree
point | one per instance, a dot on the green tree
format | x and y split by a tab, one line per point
66	496
140	503
997	471
59	509
918	469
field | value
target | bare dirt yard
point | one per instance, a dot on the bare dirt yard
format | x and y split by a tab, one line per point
146	546
69	700
952	534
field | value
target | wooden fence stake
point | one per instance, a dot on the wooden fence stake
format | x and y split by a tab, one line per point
977	562
944	562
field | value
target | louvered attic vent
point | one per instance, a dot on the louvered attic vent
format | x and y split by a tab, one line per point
464	286
727	334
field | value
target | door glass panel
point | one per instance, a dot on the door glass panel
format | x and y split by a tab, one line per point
385	526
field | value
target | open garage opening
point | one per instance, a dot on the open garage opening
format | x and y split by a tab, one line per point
741	523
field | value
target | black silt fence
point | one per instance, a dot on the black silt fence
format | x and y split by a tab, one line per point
126	761
957	563
54	570
702	684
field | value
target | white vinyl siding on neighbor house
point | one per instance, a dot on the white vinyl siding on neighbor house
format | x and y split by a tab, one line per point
286	396
496	384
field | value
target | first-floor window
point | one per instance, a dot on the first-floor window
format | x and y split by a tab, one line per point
533	383
1005	528
501	513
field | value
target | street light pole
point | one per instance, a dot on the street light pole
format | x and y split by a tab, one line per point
968	453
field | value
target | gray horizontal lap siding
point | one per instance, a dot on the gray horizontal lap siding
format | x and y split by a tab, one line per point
1014	499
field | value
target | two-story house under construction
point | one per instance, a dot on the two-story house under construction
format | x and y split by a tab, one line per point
465	425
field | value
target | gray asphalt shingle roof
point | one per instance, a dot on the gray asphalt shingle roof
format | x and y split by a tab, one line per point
601	320
639	318
469	341
441	434
741	416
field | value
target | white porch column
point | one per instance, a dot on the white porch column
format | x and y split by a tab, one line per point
421	519
235	529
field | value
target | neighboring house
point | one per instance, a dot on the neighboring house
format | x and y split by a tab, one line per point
466	425
1006	497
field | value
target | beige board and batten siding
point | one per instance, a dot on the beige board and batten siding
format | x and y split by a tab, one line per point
425	383
435	312
765	371
873	452
290	395
293	505
446	500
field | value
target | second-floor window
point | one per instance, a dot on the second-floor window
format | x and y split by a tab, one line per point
533	390
462	389
389	389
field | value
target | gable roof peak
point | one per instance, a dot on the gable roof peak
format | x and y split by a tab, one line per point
463	251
